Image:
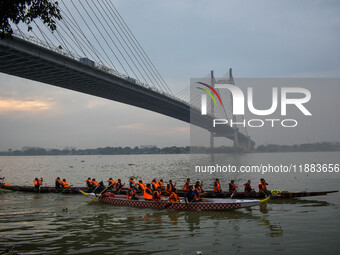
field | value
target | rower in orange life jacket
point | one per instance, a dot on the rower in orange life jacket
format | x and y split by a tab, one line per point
247	187
94	183
89	183
118	185
161	184
111	182
141	185
169	187
156	196
198	186
197	194
154	184
263	186
173	196
58	183
232	187
217	186
186	185
36	182
132	183
131	194
64	184
147	192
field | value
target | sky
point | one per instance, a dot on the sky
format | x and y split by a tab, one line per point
185	39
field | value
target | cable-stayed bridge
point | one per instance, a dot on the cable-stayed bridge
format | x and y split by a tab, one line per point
93	51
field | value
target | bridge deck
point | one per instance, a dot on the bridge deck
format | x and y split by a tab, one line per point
27	60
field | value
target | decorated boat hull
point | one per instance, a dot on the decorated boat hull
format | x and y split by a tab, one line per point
207	205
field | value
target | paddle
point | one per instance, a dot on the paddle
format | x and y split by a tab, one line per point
95	189
65	189
101	193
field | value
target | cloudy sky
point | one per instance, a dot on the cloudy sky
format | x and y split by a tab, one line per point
184	39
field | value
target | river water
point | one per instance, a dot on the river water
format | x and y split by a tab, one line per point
67	224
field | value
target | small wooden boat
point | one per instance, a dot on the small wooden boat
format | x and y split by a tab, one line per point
208	193
210	204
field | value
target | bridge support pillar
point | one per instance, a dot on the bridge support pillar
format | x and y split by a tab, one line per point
236	144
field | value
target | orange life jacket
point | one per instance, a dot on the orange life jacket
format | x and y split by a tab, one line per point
173	197
36	183
262	186
157	195
198	197
40	182
217	187
6	185
147	195
186	185
95	183
111	182
89	181
161	184
130	194
132	183
65	184
142	185
154	184
169	188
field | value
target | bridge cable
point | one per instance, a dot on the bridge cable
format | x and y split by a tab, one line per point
132	43
140	47
96	37
76	25
117	40
134	55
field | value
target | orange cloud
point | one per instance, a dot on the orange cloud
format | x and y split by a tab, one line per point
11	105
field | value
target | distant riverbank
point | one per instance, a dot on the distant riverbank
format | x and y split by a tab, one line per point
37	151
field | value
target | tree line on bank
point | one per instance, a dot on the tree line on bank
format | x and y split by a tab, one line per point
34	151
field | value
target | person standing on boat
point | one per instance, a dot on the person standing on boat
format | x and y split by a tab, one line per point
247	187
173	196
58	183
157	194
89	183
263	186
147	192
186	185
217	186
232	187
189	195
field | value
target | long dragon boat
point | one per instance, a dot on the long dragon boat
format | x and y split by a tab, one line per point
208	193
210	204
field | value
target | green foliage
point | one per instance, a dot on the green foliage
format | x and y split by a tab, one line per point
27	11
